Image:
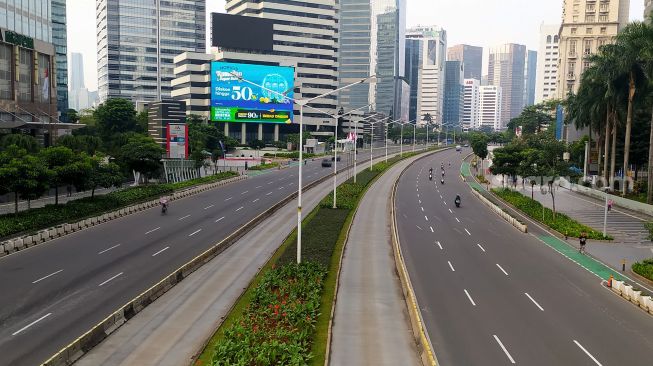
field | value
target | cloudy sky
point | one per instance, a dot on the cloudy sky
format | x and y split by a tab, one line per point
477	22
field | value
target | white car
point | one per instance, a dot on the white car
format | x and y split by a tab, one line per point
459	148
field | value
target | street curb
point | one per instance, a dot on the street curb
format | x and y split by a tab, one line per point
427	353
17	244
84	343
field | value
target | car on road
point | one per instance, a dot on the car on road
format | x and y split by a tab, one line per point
326	163
466	145
459	148
333	158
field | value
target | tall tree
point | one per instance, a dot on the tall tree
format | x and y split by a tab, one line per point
143	155
115	116
58	160
20	140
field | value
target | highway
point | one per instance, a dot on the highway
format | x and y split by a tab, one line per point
491	295
54	292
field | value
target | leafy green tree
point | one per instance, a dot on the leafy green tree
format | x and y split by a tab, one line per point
73	117
103	174
507	160
532	119
142	154
20	140
25	175
478	142
58	159
142	122
258	144
81	143
115	116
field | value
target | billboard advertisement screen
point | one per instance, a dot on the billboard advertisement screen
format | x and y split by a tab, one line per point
177	142
235	32
235	100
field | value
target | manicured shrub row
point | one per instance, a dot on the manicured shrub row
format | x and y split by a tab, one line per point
644	268
50	215
264	166
259	335
277	325
289	155
561	223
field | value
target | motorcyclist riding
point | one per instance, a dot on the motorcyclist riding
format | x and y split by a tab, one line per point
164	204
442	180
457	200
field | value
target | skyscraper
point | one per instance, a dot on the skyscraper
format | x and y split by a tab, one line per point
76	80
414	55
453	93
372	42
137	41
60	41
472	58
431	71
506	69
547	63
586	26
471	103
530	77
490	112
648	8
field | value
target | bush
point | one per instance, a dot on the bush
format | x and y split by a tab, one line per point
50	215
644	268
277	326
562	223
482	179
265	166
649	227
289	155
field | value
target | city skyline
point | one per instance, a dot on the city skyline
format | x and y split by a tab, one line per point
453	15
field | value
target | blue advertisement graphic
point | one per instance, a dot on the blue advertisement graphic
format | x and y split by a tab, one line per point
235	100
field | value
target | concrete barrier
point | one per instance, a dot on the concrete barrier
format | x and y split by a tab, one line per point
27	241
18	244
9	246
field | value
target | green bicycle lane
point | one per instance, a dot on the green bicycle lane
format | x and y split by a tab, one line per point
590	264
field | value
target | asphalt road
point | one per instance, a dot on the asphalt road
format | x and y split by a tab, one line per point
491	295
54	292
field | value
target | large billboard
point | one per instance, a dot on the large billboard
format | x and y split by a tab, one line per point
235	32
177	141
236	100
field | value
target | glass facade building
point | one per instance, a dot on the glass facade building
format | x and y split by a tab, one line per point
472	58
137	41
372	42
30	18
60	41
453	93
413	62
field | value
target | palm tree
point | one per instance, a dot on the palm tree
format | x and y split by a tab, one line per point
646	59
631	40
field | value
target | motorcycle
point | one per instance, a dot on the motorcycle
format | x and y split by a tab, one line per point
442	181
430	176
457	201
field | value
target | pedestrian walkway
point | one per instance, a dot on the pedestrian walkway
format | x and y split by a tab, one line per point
371	324
9	207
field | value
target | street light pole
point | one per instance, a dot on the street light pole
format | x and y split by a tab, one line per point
335	163
414	134
371	143
401	144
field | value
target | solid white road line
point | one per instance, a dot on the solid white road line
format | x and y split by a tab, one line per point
244	193
184	217
587	353
450	211
269	193
504	349
153	230
239	208
110	279
256	200
440	245
483	249
451	266
470	298
220	219
533	300
502	270
50	275
117	245
228	199
468	233
426	218
30	324
457	219
160	251
257	187
209	206
195	232
432	229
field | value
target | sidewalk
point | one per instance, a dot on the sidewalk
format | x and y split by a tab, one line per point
626	227
371	325
8	207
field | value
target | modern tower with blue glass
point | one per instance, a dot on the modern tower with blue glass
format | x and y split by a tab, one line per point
59	39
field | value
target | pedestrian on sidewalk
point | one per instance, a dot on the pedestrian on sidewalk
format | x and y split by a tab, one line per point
583	241
69	189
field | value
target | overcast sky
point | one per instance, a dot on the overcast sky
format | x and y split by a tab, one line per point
476	22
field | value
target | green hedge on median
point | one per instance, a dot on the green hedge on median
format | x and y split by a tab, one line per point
50	215
264	166
644	268
561	223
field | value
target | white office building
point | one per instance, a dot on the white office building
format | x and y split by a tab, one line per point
431	73
547	63
471	103
490	108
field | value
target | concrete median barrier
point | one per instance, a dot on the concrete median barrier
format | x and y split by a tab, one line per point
635	296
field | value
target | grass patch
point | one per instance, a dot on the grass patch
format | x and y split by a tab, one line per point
51	215
561	223
265	166
644	268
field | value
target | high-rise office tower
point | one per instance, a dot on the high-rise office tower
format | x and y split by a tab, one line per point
137	41
414	55
547	63
431	71
304	36
506	69
471	103
586	25
76	79
453	93
372	42
472	58
490	113
648	8
60	41
530	77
